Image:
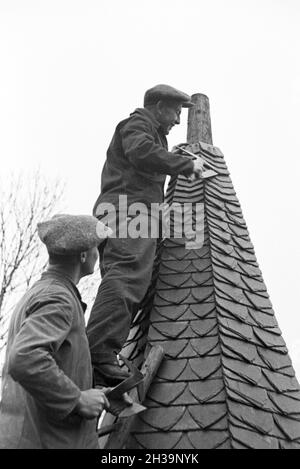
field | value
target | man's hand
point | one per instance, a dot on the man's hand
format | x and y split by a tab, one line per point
91	403
177	150
198	169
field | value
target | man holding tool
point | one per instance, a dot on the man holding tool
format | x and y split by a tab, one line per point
47	397
137	164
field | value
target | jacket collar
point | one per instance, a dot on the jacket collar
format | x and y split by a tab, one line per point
149	115
55	273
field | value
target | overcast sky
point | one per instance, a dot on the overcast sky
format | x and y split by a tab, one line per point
70	70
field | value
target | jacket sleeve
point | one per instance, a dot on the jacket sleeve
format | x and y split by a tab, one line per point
145	154
31	360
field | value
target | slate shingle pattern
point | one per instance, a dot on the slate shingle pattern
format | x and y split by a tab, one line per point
227	380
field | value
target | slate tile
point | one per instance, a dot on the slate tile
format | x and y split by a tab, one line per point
193	197
245	256
215	212
238	445
280	382
206	366
259	420
174	266
274	360
172	254
189	315
289	371
254	440
227	275
166	393
209	415
178	296
188	374
211	149
222	181
270	340
173	348
244	331
262	319
249	269
171	330
158	440
213	202
291	428
171	369
253	285
225	295
251	373
204	327
165	282
190	352
286	405
293	394
173	312
275	432
240	231
203	310
207	439
143	427
223	236
220	246
237	310
252	394
230	291
214	193
183	443
237	219
241	349
235	397
206	346
234	208
225	445
258	301
263	382
201	265
163	418
202	278
186	398
186	422
221	190
223	261
225	314
218	224
288	445
205	391
203	293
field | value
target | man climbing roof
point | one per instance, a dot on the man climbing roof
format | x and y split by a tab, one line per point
136	166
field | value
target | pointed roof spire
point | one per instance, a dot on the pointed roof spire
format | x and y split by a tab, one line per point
227	380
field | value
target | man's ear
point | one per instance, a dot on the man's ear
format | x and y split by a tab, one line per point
83	257
159	106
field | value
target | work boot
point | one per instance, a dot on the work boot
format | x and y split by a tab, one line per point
109	374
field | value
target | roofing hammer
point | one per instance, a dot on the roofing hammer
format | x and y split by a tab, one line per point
205	174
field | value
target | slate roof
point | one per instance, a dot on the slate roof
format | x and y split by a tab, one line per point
227	380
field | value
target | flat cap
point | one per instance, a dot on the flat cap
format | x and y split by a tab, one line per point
166	92
69	234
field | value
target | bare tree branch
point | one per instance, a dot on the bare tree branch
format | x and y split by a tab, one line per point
24	201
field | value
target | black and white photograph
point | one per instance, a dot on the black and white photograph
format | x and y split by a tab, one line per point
149	223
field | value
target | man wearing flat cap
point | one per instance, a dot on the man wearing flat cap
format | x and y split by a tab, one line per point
48	401
137	164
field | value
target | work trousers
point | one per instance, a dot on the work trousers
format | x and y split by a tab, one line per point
126	268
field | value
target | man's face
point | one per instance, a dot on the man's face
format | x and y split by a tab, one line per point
168	115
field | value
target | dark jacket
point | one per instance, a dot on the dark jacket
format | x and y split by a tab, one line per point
47	365
138	161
